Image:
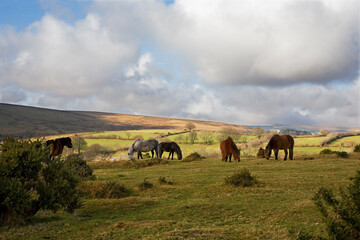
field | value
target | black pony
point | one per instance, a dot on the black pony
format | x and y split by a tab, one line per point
170	147
57	146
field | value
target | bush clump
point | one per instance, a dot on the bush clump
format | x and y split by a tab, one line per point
341	213
326	151
79	167
30	182
357	148
145	185
342	154
241	179
106	189
193	157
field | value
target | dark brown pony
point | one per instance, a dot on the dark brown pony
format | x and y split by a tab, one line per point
170	147
229	148
278	142
57	146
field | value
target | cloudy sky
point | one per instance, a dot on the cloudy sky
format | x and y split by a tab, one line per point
245	62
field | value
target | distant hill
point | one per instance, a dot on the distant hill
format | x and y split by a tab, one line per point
23	121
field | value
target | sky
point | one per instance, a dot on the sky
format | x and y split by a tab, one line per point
248	62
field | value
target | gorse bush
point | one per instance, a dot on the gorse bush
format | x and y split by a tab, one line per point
108	189
242	179
341	213
79	167
28	182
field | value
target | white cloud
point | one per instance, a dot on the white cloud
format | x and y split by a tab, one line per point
234	61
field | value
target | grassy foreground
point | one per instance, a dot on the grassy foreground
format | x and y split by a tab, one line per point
198	205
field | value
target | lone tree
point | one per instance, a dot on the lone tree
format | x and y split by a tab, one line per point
190	126
192	137
79	144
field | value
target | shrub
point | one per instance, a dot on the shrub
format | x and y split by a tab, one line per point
243	179
326	151
145	185
79	167
29	182
193	157
107	189
342	154
357	148
341	213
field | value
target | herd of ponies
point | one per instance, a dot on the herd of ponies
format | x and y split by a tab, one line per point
227	147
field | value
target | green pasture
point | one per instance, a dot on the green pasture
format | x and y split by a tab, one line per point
199	205
303	145
347	141
308	141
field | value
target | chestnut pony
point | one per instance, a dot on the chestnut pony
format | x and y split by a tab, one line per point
57	146
229	148
278	142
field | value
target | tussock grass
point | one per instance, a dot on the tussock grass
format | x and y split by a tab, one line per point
145	185
242	179
193	157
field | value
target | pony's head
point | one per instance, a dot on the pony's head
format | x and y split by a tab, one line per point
178	152
67	142
130	154
267	151
237	156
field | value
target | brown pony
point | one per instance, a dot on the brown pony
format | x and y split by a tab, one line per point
228	148
57	146
170	147
278	142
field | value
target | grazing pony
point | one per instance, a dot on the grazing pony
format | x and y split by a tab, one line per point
57	146
278	142
170	147
229	148
143	146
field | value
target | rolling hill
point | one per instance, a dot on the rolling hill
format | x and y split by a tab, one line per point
23	121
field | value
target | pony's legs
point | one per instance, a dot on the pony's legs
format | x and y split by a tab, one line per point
230	157
291	154
276	154
152	153
286	153
140	155
169	155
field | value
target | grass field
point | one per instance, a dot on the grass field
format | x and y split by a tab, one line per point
199	205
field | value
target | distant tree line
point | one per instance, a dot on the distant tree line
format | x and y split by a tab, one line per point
290	131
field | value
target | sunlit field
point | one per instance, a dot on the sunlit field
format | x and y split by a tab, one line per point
194	202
